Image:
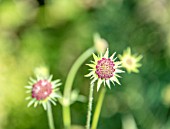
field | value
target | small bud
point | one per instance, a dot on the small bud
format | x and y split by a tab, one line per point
100	44
41	71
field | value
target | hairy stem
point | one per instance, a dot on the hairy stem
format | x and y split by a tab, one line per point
90	106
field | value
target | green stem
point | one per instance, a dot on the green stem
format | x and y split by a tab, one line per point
90	106
50	116
66	117
98	108
68	86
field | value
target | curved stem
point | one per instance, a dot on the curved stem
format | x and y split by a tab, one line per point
98	108
68	86
50	116
90	106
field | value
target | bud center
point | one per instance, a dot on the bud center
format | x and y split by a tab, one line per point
105	68
41	90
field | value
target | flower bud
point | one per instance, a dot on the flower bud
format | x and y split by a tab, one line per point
100	44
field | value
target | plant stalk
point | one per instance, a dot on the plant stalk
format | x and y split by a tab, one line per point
98	108
50	116
90	106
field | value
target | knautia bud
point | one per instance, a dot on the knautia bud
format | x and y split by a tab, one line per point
100	44
42	71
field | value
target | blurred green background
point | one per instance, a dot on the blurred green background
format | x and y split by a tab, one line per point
55	32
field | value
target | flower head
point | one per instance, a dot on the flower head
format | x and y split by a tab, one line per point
129	61
42	91
104	69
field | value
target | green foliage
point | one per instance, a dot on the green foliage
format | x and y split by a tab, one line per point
58	32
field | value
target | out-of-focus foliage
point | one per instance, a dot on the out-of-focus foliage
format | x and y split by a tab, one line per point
55	34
